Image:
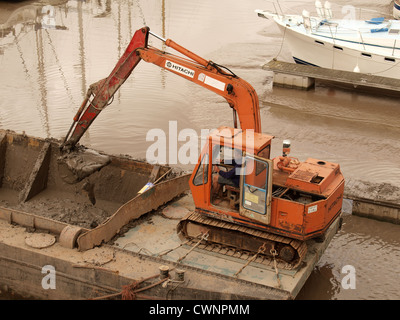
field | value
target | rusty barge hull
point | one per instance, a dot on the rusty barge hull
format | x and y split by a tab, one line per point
92	258
109	271
21	270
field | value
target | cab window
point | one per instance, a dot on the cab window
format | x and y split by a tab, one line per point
264	153
201	176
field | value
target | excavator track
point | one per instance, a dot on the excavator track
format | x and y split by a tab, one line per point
242	242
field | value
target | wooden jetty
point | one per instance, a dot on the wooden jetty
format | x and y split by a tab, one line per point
291	75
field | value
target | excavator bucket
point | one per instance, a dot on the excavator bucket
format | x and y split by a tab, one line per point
78	164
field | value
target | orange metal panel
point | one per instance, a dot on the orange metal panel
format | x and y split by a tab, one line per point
287	215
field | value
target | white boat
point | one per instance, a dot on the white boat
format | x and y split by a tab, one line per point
366	46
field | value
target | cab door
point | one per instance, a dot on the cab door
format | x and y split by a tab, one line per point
256	189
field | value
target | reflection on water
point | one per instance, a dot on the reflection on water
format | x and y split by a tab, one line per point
372	248
51	51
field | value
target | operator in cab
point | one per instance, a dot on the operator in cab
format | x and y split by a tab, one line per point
230	177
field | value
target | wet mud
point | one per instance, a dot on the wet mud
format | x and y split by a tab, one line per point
85	201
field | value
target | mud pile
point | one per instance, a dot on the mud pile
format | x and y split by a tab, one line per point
384	192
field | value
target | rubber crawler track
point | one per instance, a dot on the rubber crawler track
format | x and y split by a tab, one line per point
222	227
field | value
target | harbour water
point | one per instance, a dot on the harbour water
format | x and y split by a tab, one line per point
51	51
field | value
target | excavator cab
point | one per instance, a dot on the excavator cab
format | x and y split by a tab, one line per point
245	155
256	189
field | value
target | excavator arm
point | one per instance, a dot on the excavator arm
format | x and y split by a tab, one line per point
239	94
100	93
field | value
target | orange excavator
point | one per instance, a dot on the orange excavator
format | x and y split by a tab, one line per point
277	204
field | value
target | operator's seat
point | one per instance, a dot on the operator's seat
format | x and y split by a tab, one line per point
233	195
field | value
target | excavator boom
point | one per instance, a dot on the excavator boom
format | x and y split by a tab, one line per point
240	95
104	90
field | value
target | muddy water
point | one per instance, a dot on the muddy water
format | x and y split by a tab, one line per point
51	51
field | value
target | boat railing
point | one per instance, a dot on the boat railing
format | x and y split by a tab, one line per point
350	13
362	40
334	36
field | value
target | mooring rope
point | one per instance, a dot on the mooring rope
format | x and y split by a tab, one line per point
283	41
130	292
274	254
260	250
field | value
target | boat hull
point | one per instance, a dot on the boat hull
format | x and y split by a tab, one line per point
320	52
369	47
